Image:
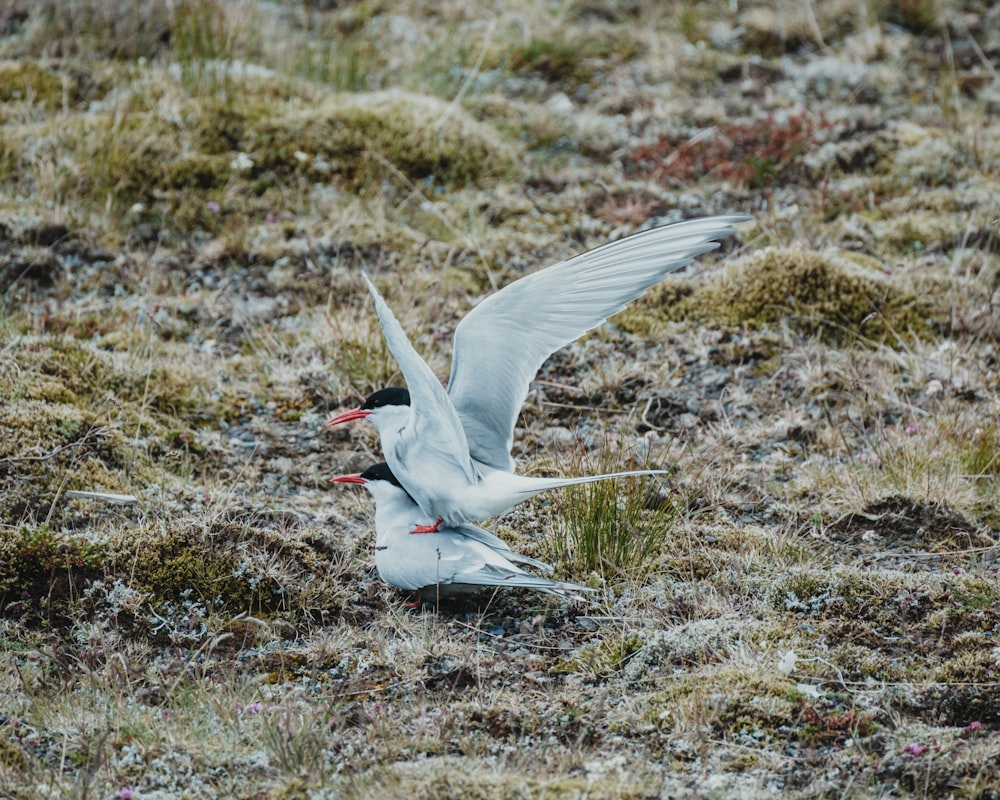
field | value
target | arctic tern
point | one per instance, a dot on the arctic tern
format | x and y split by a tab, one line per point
458	559
450	449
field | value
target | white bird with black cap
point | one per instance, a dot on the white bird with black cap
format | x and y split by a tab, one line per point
450	449
457	559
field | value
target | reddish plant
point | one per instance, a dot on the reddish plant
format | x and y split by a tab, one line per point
833	728
749	153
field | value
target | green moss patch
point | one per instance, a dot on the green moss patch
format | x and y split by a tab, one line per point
813	293
457	778
729	702
60	369
52	447
210	166
356	135
144	160
41	571
79	418
29	81
235	563
152	579
570	64
12	757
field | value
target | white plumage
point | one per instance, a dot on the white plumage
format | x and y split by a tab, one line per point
455	559
450	449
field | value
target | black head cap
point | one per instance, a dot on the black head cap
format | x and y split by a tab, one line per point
380	472
392	396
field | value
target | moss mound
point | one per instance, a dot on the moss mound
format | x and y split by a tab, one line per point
814	293
210	165
41	570
51	447
352	135
234	563
730	702
51	84
21	80
75	417
231	563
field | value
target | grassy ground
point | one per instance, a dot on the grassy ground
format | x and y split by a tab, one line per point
809	606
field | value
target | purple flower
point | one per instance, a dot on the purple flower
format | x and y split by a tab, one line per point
255	707
211	205
915	750
125	794
909	430
270	219
974	726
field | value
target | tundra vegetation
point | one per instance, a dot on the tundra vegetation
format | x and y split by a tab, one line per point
807	605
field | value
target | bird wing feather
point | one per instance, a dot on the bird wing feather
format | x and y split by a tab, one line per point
501	344
436	435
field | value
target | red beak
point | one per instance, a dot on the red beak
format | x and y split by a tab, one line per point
347	416
355	478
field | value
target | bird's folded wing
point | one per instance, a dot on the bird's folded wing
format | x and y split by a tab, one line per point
498	545
491	575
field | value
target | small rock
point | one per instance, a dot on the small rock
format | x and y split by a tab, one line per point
560	105
557	436
689	421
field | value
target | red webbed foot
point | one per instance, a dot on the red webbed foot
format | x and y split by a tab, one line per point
428	528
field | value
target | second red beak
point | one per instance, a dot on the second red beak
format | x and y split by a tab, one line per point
347	416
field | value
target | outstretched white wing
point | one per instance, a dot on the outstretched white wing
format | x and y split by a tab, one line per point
501	344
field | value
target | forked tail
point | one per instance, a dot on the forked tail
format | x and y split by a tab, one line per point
544	484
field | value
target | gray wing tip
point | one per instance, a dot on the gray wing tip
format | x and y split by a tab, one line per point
571	591
518	558
381	307
722	225
490	575
721	219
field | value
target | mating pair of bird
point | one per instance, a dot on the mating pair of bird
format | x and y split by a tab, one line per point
447	452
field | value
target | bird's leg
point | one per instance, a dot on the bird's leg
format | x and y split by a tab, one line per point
415	603
428	528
